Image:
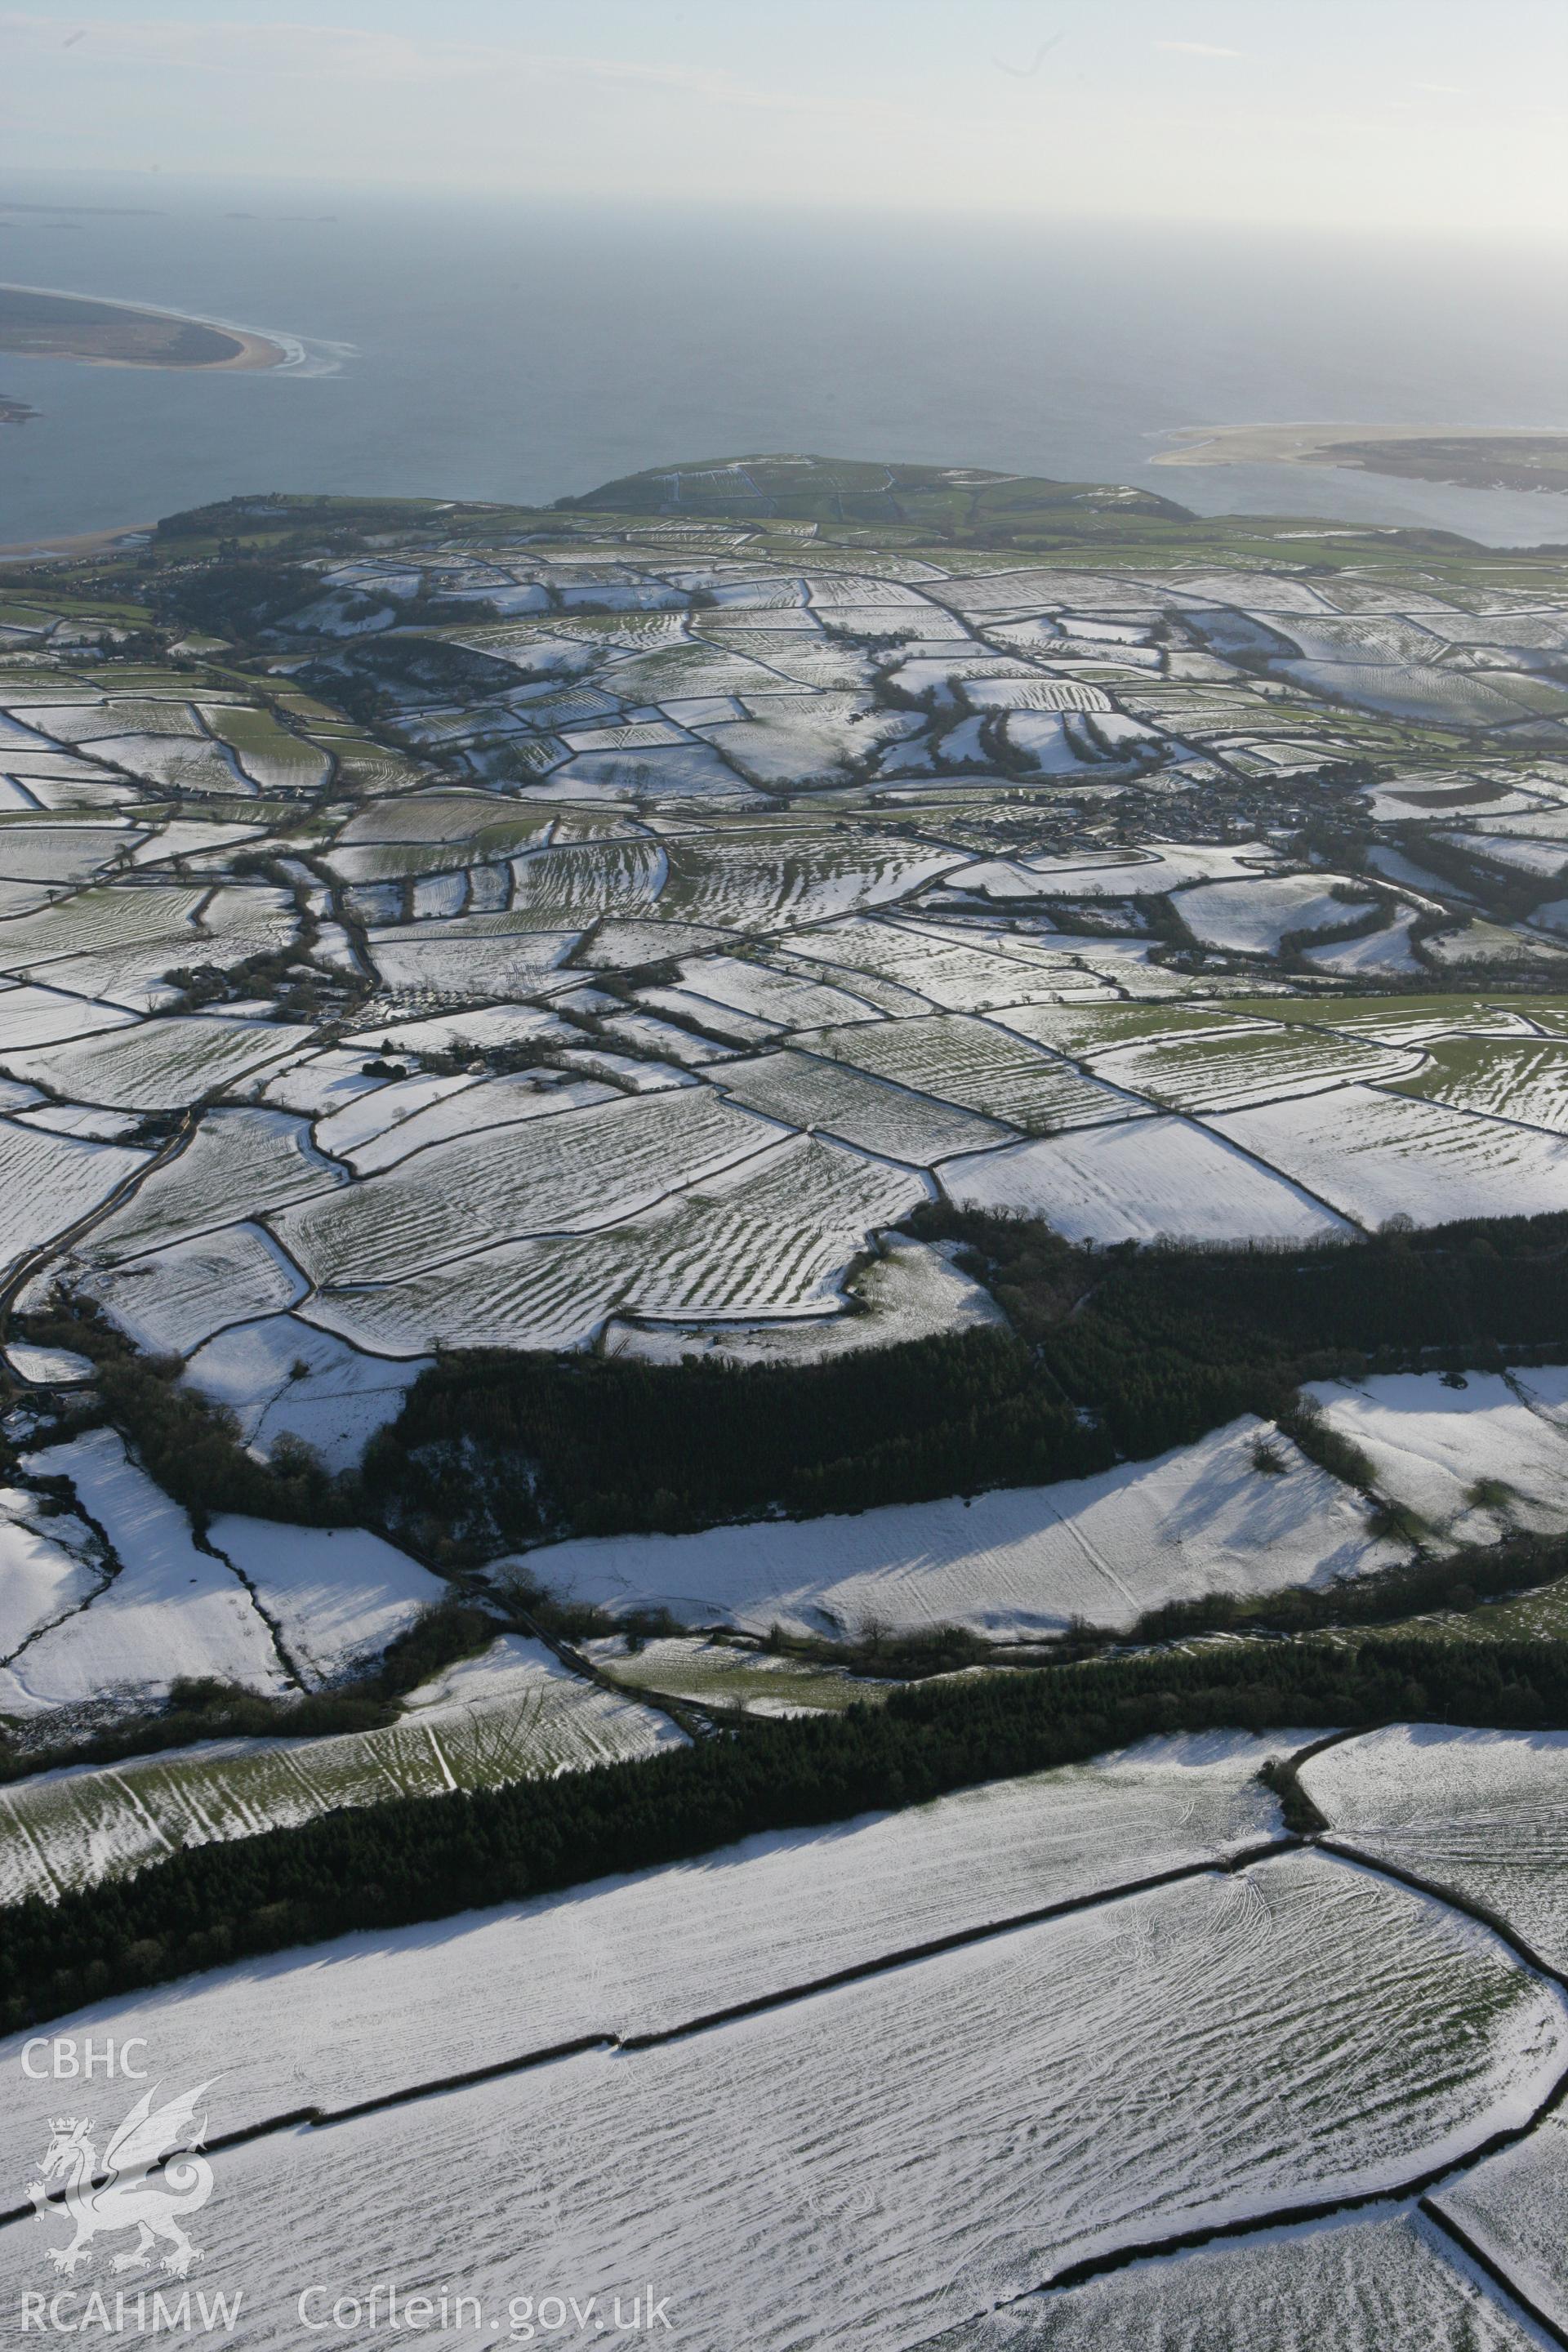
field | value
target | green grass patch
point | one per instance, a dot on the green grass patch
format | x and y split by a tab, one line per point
716	1673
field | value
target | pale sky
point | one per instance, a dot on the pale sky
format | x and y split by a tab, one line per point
1437	115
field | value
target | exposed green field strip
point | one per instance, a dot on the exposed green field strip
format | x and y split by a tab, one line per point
1539	1616
1503	1077
74	1828
1205	1073
1441	1015
454	818
267	752
973	1064
726	1675
1078	1030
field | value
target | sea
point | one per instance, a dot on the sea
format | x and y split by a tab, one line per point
507	348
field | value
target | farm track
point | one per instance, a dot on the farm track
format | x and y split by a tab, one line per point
59	1244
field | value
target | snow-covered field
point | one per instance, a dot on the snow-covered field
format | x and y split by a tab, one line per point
1224	1070
637	1953
571	1171
910	1291
1252	918
282	1378
852	2170
957	974
768	1237
49	1563
237	1163
468	955
1503	1077
466	1107
707	893
48	1181
768	994
1482	1813
95	919
1021	1562
1449	698
1142	1180
1383	2280
809	1089
1514	2209
515	1712
979	1067
31	1015
171	1610
158	1064
1374	1156
173	1299
337	1595
1470	1455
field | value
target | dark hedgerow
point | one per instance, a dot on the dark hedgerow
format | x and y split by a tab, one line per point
412	1859
203	1708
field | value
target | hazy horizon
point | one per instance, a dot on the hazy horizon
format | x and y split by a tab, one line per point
1380	120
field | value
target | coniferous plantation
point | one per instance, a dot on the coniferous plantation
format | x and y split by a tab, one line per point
1111	1354
388	1865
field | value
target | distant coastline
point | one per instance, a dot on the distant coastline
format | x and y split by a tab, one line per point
35	323
1522	457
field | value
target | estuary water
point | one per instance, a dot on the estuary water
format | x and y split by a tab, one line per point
523	349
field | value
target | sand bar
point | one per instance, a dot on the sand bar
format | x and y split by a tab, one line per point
1316	445
37	323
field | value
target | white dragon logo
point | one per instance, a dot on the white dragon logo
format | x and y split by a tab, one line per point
127	2199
